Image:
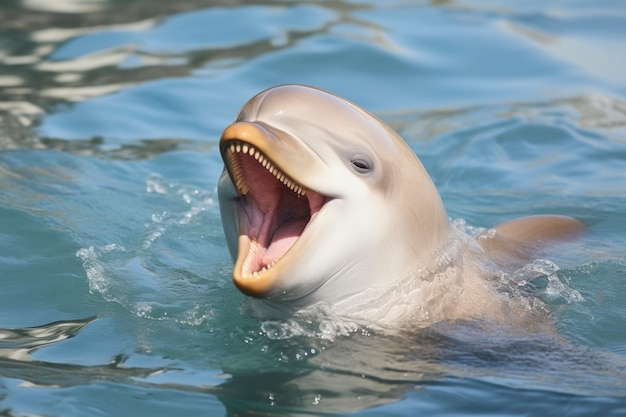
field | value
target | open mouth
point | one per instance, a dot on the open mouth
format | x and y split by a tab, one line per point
277	208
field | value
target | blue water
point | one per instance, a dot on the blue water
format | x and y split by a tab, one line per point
116	296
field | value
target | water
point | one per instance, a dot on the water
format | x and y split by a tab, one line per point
116	297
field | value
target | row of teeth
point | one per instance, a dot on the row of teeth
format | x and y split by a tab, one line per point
257	274
251	255
240	182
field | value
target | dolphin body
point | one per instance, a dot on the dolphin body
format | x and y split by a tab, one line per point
324	204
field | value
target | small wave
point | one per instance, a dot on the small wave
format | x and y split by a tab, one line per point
124	278
152	275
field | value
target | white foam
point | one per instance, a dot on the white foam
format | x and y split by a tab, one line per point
316	322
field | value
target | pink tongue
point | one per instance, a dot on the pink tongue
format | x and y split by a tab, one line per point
283	239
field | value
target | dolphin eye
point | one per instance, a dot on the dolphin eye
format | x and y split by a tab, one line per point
361	164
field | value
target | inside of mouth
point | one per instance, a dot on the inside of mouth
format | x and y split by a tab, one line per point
277	210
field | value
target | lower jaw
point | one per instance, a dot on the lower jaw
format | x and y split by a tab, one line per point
256	254
258	285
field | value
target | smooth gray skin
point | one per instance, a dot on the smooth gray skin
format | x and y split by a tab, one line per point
382	249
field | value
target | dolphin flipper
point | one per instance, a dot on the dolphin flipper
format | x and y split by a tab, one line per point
541	229
518	241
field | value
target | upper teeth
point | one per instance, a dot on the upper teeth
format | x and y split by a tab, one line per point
237	172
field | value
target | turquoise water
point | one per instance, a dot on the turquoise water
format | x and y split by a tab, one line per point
116	296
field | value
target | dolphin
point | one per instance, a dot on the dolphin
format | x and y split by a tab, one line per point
322	202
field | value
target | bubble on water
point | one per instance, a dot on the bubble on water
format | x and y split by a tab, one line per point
143	310
152	236
158	217
156	184
113	247
188	316
195	316
195	210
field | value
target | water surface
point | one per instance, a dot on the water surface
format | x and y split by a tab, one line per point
116	295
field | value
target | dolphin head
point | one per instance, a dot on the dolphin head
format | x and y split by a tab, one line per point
321	200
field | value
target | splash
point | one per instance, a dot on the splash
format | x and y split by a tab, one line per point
126	279
429	294
153	274
97	278
558	288
519	284
317	322
424	296
461	225
194	201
